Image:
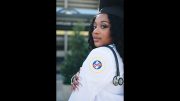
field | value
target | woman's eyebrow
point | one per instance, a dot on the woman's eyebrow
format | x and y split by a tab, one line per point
105	21
102	22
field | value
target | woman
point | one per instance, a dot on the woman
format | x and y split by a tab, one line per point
94	82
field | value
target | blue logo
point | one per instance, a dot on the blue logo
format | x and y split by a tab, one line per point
97	64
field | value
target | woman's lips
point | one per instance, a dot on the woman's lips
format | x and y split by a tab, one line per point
96	39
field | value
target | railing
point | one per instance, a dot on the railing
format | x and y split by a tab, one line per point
87	4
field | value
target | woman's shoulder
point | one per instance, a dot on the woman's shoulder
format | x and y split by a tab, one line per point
101	50
100	53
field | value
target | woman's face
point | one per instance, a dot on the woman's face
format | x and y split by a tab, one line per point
101	32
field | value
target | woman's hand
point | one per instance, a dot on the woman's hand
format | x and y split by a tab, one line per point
75	81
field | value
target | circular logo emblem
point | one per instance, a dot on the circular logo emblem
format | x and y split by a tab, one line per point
97	64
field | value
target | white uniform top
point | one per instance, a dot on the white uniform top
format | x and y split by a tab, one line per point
96	76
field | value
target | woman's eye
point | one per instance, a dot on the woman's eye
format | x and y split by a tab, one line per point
103	26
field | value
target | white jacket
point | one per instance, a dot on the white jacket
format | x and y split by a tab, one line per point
96	75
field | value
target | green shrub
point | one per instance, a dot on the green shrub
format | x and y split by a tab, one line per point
77	53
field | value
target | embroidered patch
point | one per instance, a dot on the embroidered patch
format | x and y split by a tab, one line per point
97	64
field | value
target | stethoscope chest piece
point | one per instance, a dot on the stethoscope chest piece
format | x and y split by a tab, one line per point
117	80
120	81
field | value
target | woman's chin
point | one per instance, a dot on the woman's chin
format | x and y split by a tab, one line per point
97	44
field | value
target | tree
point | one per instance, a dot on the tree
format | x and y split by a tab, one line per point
77	52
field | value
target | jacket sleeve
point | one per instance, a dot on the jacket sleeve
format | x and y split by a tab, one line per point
100	69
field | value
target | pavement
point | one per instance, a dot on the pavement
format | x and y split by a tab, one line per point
62	91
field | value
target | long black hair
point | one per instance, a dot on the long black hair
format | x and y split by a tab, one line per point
117	33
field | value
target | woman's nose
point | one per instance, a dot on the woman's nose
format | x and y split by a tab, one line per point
96	30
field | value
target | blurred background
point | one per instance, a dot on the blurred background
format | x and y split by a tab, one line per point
72	24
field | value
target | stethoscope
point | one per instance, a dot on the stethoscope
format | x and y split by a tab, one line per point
117	80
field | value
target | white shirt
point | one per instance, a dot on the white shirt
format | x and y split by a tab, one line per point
96	76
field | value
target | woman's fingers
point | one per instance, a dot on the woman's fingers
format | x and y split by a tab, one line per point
75	82
74	87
